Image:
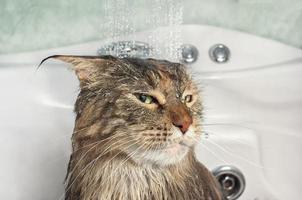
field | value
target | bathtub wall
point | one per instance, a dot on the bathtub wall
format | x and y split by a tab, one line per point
27	25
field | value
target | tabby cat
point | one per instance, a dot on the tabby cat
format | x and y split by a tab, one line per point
137	122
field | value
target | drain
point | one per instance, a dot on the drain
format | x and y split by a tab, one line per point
231	180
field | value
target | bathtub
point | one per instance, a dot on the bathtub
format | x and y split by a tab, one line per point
252	115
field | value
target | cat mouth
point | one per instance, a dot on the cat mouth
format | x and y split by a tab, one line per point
179	145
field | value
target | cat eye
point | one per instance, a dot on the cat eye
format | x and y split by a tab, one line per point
188	98
147	99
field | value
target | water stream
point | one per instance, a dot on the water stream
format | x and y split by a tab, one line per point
122	17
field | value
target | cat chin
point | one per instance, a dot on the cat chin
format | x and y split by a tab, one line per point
163	157
169	155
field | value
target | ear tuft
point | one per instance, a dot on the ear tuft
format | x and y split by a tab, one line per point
84	66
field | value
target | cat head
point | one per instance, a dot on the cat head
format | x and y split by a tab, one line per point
149	109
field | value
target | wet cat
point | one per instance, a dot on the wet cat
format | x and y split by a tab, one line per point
137	122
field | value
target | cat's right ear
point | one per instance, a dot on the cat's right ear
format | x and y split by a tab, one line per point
85	67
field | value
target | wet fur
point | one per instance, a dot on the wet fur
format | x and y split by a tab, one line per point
113	133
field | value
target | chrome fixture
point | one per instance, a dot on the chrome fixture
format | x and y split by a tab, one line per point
231	180
123	49
219	53
189	53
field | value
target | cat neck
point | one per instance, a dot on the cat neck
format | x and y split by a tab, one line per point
120	179
119	164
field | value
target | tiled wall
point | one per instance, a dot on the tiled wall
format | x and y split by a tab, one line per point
27	25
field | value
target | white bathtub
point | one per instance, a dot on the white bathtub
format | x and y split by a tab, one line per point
253	112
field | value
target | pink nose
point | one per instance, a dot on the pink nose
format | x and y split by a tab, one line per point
181	118
183	126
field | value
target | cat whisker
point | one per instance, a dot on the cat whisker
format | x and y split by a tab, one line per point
135	142
108	138
228	152
97	143
212	152
231	139
236	156
228	124
85	146
86	167
121	164
149	146
209	150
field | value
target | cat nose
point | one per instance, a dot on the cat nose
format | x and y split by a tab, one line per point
183	126
181	118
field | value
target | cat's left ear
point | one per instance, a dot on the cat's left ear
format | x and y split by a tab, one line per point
85	67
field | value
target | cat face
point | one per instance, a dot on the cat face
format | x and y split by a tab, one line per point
148	109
